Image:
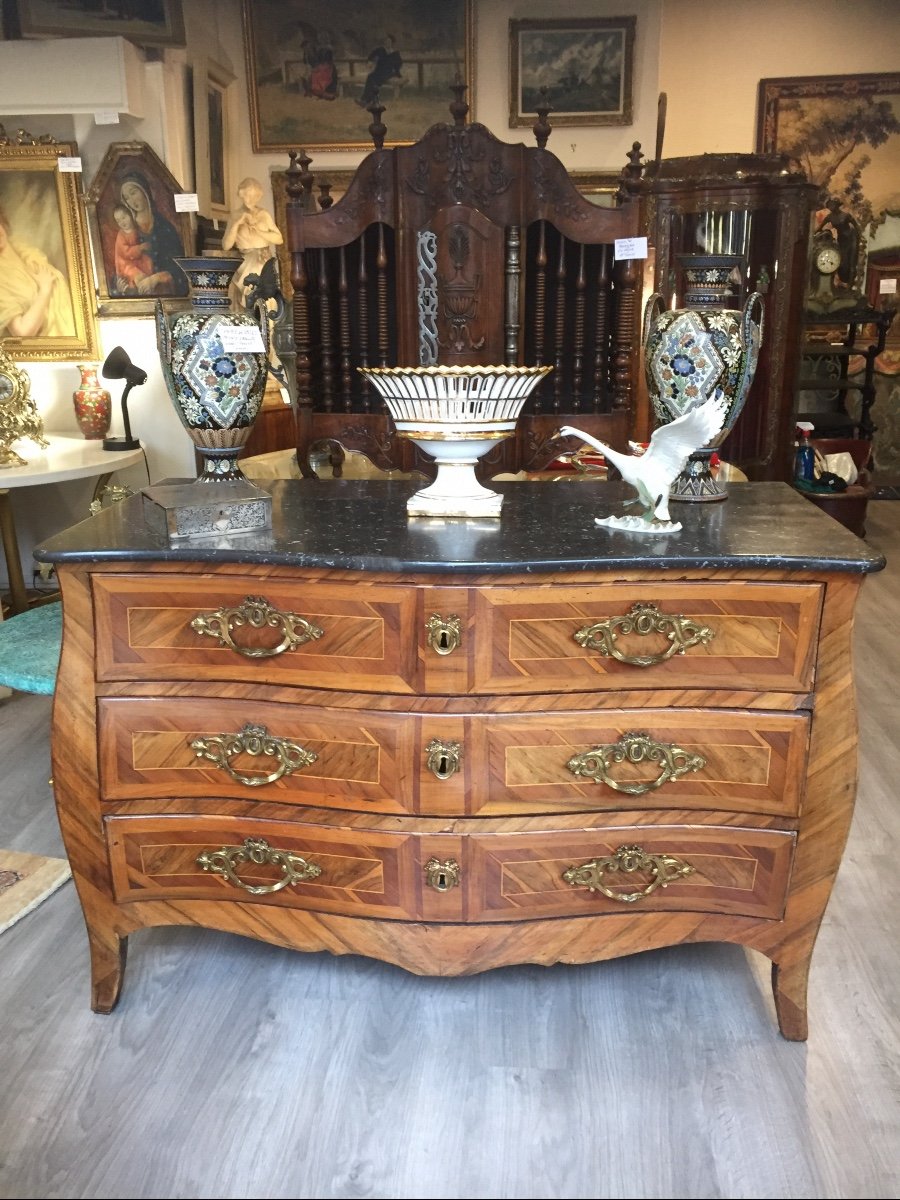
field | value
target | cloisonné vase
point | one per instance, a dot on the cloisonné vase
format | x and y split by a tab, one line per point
217	389
689	355
93	403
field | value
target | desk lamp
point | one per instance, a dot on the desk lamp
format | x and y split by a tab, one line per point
119	366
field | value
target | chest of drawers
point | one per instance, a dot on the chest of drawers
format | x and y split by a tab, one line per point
452	747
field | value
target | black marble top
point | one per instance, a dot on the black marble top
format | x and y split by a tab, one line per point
361	525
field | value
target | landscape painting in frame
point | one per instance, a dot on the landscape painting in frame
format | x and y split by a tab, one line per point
315	65
136	233
581	67
147	22
47	297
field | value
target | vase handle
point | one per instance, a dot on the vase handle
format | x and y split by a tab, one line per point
754	300
654	307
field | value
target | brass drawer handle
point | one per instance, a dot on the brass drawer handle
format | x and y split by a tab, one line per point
635	748
443	758
258	613
254	740
644	619
257	850
444	633
442	876
664	868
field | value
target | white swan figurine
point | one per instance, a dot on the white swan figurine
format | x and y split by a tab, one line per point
653	472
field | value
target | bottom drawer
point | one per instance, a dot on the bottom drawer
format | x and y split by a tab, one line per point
470	877
659	868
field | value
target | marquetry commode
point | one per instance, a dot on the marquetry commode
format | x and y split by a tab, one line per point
458	745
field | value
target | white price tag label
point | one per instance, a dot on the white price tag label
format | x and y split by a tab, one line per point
630	248
186	202
241	339
68	163
887	287
106	116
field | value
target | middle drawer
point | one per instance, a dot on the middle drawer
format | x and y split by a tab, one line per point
490	764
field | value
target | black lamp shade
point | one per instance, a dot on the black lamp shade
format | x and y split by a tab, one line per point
119	366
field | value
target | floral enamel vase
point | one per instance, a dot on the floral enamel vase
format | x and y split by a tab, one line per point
689	355
216	385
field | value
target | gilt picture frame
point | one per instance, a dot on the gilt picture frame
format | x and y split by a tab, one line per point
47	302
211	124
313	67
583	67
154	23
133	258
599	187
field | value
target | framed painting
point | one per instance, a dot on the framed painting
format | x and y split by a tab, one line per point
147	22
600	187
314	66
136	234
212	118
582	67
46	289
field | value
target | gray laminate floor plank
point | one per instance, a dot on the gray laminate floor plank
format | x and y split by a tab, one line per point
235	1069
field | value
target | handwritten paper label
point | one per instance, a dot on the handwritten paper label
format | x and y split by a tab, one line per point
241	339
186	202
630	248
106	116
68	163
887	287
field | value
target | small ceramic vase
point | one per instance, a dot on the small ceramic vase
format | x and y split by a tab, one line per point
93	403
217	390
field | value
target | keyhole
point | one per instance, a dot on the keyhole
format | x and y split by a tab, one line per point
443	640
443	765
440	881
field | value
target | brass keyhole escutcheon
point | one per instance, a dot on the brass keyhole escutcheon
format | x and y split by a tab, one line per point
442	876
444	634
443	758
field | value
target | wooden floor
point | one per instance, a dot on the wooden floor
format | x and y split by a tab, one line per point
234	1069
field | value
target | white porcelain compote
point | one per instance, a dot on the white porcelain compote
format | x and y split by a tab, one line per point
455	414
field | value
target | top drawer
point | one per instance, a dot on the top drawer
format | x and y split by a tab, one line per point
501	640
716	634
325	635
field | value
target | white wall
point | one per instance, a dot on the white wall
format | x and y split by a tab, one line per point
707	55
713	56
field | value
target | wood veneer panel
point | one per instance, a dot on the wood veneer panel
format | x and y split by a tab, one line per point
764	636
738	871
368	643
751	763
363	760
366	874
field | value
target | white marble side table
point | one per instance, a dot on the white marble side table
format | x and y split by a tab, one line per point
66	457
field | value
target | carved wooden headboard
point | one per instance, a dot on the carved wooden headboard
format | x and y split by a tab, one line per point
461	249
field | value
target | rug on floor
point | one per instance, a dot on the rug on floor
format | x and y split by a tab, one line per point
26	880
